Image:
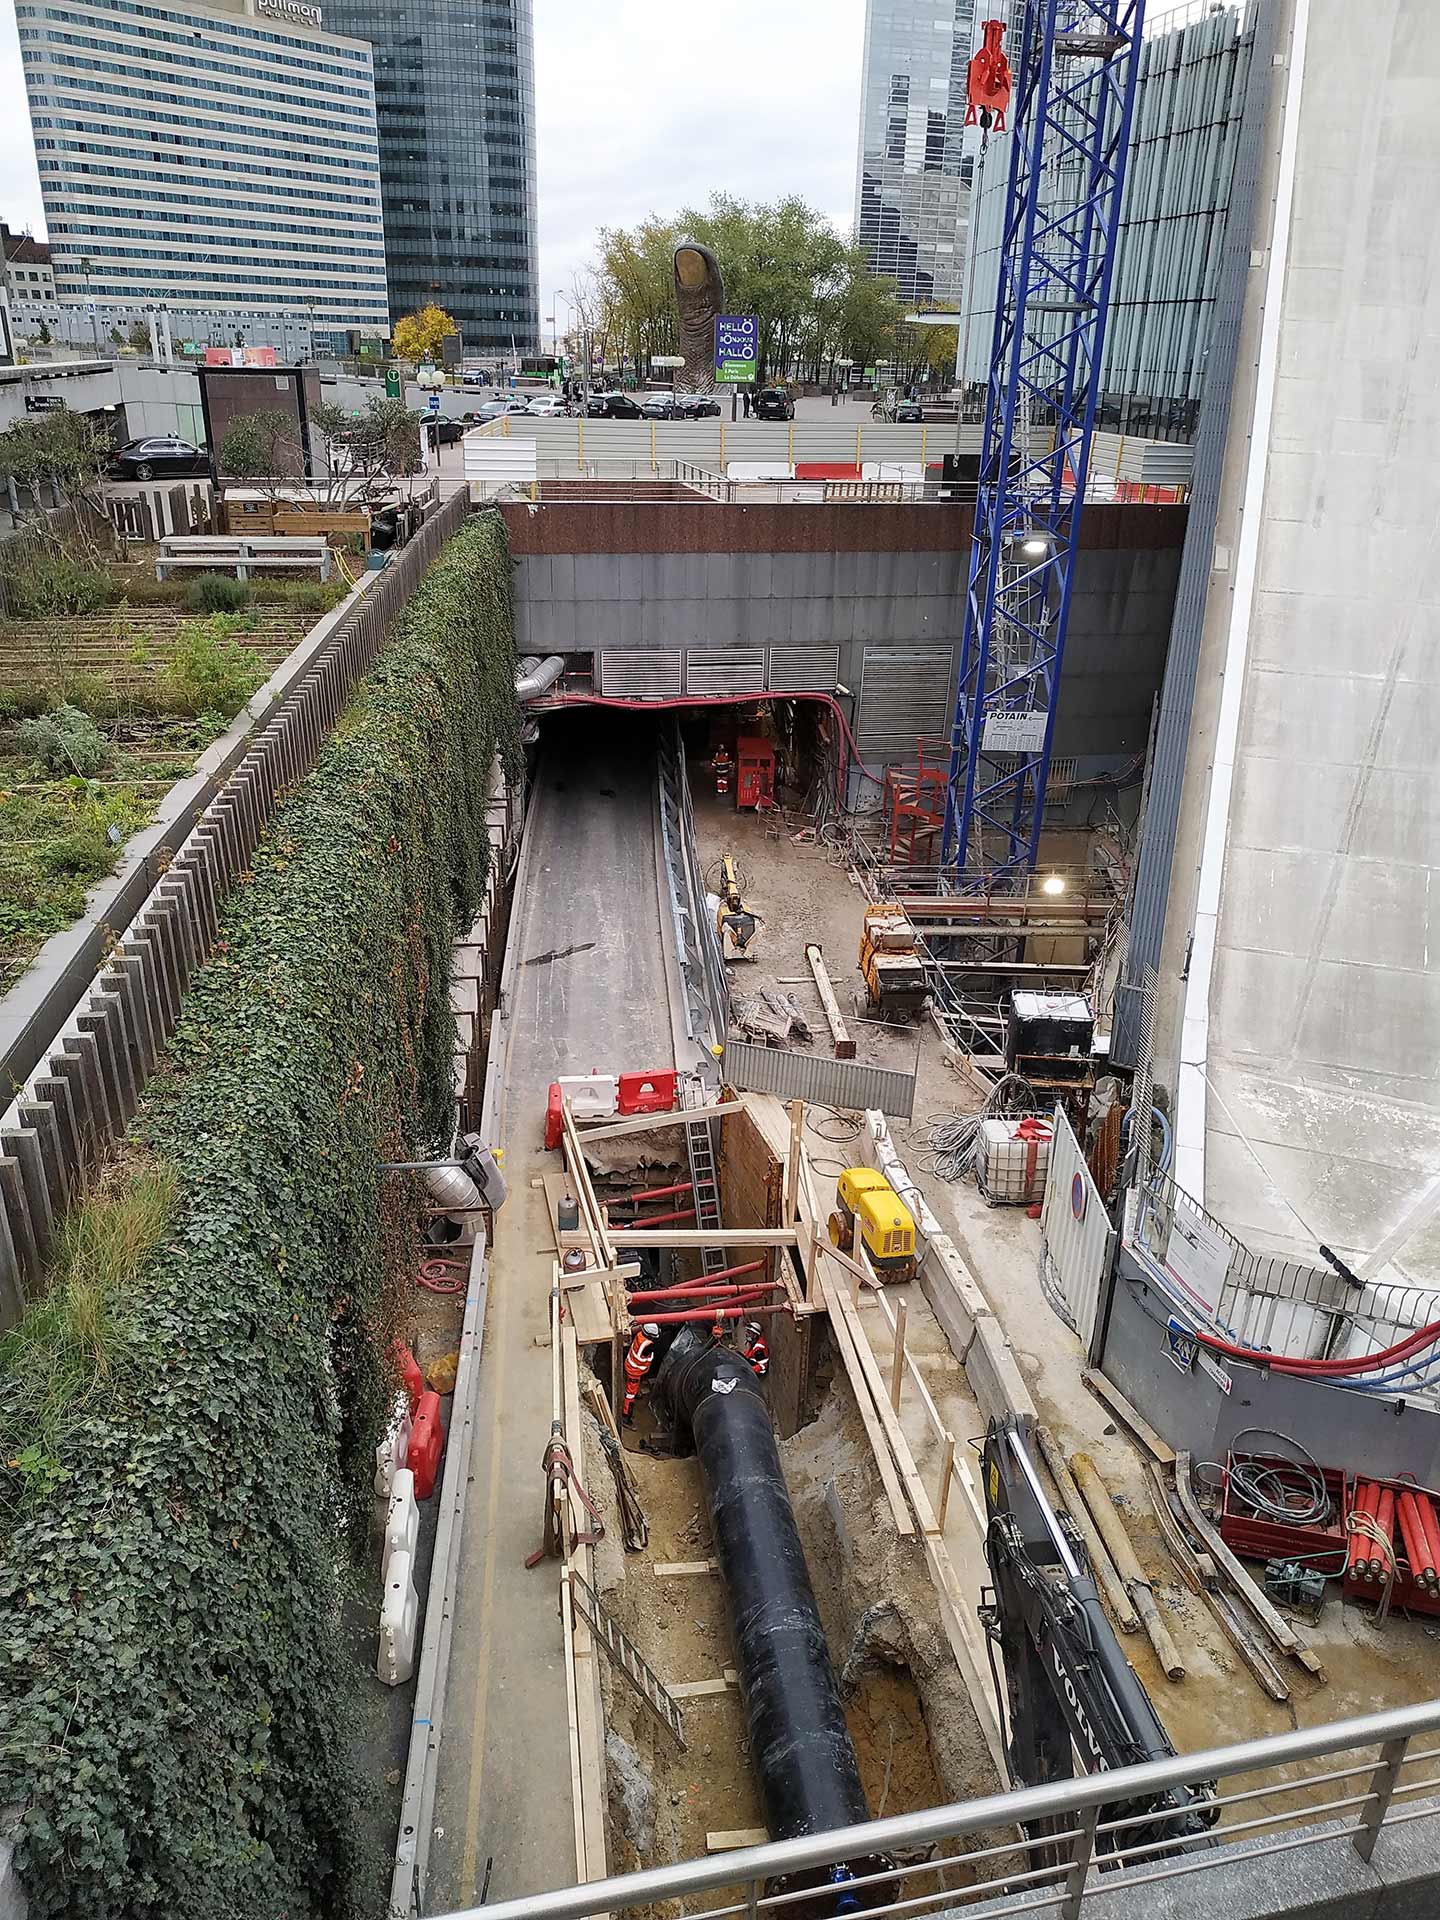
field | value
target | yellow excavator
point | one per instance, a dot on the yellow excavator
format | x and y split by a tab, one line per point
735	924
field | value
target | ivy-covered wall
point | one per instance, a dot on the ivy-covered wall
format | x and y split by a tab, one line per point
178	1530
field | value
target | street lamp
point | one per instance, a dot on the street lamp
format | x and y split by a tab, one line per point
94	317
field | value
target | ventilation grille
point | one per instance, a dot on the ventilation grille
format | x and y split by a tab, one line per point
904	695
727	672
804	669
634	675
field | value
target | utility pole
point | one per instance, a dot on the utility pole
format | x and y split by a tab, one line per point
94	317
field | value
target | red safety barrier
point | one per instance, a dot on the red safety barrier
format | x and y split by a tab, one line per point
646	1092
554	1116
408	1369
427	1441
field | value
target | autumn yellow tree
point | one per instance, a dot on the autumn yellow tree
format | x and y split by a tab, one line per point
419	334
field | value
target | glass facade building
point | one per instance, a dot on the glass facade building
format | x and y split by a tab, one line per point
913	180
455	95
218	158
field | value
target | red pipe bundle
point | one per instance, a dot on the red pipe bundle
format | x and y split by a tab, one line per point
1381	1565
652	1193
1358	1562
752	1311
1430	1528
1417	1545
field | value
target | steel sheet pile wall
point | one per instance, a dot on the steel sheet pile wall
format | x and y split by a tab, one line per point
1188	108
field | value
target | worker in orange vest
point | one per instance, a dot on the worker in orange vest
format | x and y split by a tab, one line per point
755	1350
638	1362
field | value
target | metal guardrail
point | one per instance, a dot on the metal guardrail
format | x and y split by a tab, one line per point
852	1085
1370	1793
102	1049
697	950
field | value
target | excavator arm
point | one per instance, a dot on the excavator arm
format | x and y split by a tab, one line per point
1069	1687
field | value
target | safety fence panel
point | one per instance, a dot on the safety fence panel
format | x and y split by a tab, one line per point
97	1050
849	1084
1076	1237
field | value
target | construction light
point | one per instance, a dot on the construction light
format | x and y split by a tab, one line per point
1053	883
1037	546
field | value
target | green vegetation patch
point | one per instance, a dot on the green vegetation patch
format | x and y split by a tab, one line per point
186	1440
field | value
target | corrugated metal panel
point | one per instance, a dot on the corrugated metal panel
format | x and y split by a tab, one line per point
494	463
1076	1237
724	670
849	1084
636	675
801	669
904	695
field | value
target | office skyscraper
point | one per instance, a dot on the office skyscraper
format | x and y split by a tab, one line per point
217	156
455	99
912	187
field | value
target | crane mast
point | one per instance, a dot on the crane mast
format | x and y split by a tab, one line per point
1074	97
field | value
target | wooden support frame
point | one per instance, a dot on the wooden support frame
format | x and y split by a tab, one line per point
682	1237
648	1122
834	1019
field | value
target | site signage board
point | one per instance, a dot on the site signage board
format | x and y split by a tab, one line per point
737	348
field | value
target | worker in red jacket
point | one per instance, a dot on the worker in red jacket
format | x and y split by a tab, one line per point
755	1349
638	1362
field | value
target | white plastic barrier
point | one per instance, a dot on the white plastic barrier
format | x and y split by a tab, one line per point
592	1096
399	1617
393	1451
402	1520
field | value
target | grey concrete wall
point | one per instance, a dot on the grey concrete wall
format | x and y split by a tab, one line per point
1119	620
1363	1433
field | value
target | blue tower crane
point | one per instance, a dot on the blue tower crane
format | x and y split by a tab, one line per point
1074	95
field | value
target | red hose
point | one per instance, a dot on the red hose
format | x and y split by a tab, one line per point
1331	1369
442	1276
714	1313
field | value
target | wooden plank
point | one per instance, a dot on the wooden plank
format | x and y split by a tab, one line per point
1275	1624
589	1311
899	1511
733	1838
1158	1449
956	1614
897	1358
880	1299
792	1162
703	1689
834	1019
678	1569
646	1122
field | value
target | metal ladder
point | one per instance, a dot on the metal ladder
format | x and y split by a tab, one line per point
704	1174
626	1656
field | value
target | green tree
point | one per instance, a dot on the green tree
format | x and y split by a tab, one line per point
265	449
62	449
808	287
139	336
369	452
44	336
419	334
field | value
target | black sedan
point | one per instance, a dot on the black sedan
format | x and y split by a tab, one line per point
612	406
445	432
772	403
160	455
698	406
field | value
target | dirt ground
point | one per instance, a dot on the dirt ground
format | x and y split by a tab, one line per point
803	892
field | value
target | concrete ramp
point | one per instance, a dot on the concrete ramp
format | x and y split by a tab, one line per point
1310	1052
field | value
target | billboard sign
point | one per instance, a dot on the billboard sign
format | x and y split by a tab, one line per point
737	343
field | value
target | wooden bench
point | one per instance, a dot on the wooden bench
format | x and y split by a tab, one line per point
243	554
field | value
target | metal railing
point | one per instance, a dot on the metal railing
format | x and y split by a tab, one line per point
697	951
1091	1851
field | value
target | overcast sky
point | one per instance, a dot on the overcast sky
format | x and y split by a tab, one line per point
641	106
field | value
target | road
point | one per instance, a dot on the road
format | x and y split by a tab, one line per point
586	988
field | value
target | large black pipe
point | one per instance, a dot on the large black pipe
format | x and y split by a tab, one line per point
799	1743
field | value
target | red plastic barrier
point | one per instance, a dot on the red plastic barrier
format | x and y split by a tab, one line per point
554	1116
646	1092
411	1377
827	470
427	1442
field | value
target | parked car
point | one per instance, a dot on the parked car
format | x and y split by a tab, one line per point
492	409
546	406
661	406
772	403
475	377
698	406
445	432
612	406
159	454
909	410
